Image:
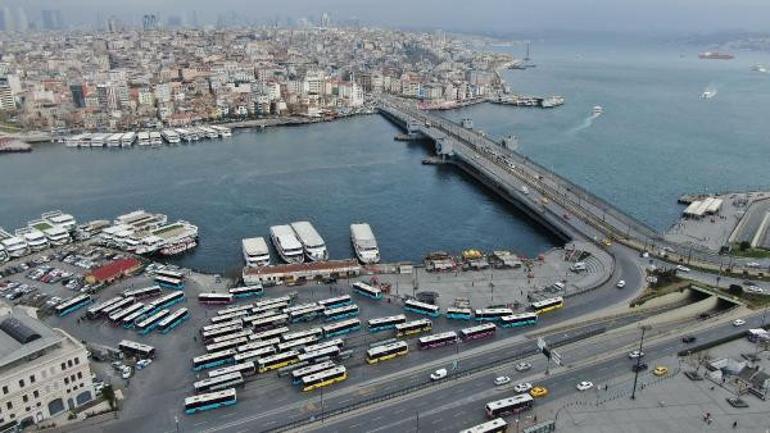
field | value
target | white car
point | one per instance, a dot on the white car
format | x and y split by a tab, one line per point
438	374
502	380
584	385
681	268
621	284
753	265
739	322
523	366
142	363
522	387
636	354
126	372
754	289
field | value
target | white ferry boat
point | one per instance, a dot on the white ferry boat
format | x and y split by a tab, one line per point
312	243
85	140
14	246
56	235
114	140
170	239
142	220
255	252
364	243
61	219
170	136
108	234
155	139
128	139
598	110
185	134
73	140
287	244
210	133
143	138
3	254
223	131
99	140
36	240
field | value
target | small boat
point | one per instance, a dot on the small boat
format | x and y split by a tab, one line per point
598	110
708	94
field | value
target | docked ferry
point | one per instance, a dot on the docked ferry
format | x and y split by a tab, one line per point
255	252
223	131
364	243
14	246
143	138
128	139
61	219
312	243
155	138
287	244
36	240
170	136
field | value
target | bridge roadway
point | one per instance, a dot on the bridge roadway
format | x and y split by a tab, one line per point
550	195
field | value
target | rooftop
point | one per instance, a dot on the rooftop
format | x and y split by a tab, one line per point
22	336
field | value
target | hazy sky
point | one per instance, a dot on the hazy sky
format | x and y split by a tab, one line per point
492	15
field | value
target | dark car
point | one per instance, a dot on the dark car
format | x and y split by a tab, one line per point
639	367
688	339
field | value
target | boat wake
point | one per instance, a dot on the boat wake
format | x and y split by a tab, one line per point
709	92
587	123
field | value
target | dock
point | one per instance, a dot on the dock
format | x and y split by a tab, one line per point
12	145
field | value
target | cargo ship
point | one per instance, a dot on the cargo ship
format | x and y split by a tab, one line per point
714	55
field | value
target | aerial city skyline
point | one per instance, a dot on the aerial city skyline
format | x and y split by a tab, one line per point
345	216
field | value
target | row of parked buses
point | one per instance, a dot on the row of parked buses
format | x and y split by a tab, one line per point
503	315
495	410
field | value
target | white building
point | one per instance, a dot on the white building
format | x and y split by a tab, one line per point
44	372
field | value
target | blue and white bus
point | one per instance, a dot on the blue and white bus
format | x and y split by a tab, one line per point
298	374
72	304
319	355
269	322
225	345
491	314
230	316
338	301
210	334
421	308
456	313
269	334
166	301
384	323
147	325
125	302
220	382
334	342
259	344
247	291
288	336
306	314
254	355
340	313
170	283
245	368
173	320
234	309
97	310
341	328
130	320
515	320
209	401
364	289
145	292
116	318
296	344
237	334
215	298
211	360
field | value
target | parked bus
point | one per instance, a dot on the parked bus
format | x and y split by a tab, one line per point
341	328
274	308
318	332
145	292
384	323
456	313
211	334
306	314
269	334
299	373
254	345
169	273
340	313
95	311
324	378
296	344
173	320
437	340
421	308
72	304
386	352
319	355
299	307
209	401
272	301
277	361
117	306
215	298
211	360
130	320
478	332
491	314
245	368
338	301
215	326
547	305
231	336
497	425
116	318
235	309
414	327
136	350
166	301
247	292
216	383
364	289
225	345
254	355
148	324
516	320
170	283
334	342
269	322
230	316
510	405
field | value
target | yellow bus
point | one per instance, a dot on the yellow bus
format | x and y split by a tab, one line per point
414	327
547	305
386	352
324	378
277	361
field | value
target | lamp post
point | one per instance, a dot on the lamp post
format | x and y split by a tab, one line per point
638	362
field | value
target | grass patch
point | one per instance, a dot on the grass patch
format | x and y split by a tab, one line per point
756	253
653	292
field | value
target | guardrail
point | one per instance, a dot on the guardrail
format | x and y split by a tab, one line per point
325	414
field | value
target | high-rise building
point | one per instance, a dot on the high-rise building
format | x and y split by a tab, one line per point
78	95
150	22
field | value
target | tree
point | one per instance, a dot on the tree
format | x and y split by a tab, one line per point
109	394
744	245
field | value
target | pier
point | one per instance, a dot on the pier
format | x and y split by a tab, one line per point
560	205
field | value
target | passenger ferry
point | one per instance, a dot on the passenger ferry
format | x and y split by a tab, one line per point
287	244
14	246
255	252
61	219
142	220
73	140
36	240
223	131
143	138
312	243
99	140
3	254
155	139
114	140
56	235
170	136
364	243
185	134
209	132
128	139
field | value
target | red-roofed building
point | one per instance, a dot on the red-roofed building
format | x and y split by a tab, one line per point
113	270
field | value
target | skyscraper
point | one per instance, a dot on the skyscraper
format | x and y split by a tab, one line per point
78	95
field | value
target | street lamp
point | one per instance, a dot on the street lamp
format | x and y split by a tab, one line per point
638	361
